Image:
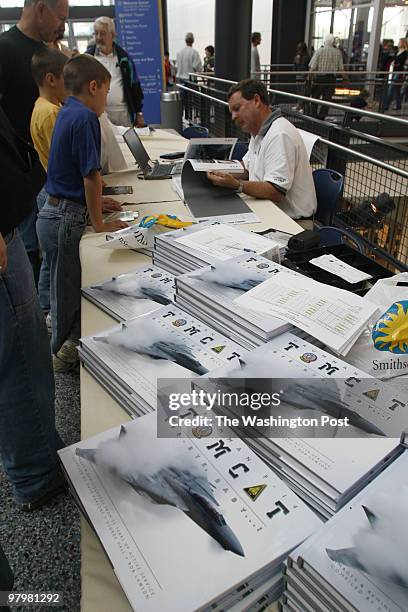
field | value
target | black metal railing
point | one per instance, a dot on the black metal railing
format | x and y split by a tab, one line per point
370	166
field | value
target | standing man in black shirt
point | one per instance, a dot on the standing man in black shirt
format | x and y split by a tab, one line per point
41	21
28	438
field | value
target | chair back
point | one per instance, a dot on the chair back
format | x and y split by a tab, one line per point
196	131
329	187
240	149
330	236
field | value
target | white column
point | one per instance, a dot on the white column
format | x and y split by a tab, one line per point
375	35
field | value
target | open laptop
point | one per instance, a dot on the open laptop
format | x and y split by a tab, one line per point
150	169
198	148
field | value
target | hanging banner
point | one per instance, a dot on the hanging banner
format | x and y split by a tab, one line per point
138	27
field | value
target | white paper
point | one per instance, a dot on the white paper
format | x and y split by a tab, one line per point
112	159
144	131
334	265
223	242
333	316
309	140
216	165
128	238
241	219
122	215
176	186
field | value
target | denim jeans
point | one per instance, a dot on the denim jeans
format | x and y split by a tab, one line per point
28	438
44	278
60	228
394	91
28	235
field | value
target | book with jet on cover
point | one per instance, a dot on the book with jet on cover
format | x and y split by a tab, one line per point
357	560
127	360
325	472
208	243
186	522
129	295
209	294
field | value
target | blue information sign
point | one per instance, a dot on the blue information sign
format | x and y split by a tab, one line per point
138	32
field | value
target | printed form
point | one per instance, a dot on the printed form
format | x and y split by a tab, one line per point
333	316
224	242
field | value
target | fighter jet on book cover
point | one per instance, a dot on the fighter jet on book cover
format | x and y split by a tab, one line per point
209	294
129	295
187	523
127	360
357	561
324	471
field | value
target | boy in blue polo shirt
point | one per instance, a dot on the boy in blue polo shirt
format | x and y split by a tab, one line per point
74	187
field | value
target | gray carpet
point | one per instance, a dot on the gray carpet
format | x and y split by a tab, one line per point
43	547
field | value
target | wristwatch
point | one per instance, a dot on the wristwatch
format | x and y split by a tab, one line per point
240	187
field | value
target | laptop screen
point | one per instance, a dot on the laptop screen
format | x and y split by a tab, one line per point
137	149
210	148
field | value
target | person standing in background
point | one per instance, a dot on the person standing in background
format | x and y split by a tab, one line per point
326	62
209	59
125	98
255	59
398	66
188	59
301	65
169	71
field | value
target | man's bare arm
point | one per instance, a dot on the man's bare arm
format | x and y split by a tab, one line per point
93	195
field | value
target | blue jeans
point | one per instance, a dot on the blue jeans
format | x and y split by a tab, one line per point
394	91
28	438
60	228
44	278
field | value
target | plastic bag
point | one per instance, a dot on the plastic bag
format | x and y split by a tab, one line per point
382	350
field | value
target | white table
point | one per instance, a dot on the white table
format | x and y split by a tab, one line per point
101	591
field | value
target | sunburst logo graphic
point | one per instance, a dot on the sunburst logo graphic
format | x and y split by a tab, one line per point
390	333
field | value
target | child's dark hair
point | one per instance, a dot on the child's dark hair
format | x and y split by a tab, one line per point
47	61
79	71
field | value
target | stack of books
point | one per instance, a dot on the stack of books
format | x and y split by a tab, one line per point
357	560
193	523
128	359
127	296
209	294
207	243
329	466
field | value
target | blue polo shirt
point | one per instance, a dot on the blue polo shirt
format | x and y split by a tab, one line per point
75	151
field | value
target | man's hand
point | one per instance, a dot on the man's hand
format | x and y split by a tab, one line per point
110	205
223	179
139	120
113	226
3	255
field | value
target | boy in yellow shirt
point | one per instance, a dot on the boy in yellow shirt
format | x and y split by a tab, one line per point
46	66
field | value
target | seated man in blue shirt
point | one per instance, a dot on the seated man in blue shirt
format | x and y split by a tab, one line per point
74	185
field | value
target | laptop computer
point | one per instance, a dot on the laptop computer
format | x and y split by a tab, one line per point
150	169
